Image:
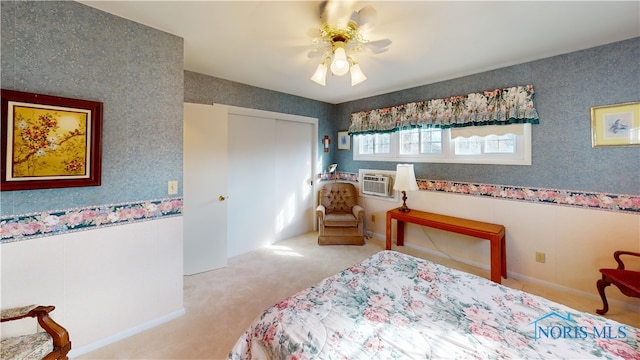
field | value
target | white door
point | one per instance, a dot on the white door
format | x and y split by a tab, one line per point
205	187
251	183
293	174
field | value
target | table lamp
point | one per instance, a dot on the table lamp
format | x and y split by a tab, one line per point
405	181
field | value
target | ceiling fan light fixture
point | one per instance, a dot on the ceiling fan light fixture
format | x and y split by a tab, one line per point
340	63
320	76
357	76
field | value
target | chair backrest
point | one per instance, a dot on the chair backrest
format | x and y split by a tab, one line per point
338	197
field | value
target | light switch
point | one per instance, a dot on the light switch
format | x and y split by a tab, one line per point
172	187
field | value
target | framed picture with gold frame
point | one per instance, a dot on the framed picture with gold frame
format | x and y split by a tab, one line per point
50	142
344	140
615	125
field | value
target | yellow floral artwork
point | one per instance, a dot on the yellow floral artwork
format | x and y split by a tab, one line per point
49	142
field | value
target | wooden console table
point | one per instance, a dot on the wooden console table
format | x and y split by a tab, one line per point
492	232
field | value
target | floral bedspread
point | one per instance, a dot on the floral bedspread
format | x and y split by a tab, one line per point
395	306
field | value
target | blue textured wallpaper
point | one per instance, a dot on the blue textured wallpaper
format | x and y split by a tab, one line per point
67	49
204	89
566	87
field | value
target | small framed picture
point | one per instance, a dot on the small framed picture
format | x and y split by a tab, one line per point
50	142
615	125
344	140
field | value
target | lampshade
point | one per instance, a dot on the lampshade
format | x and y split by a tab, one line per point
320	76
356	75
340	63
405	178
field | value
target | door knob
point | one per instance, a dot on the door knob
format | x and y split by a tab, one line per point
221	198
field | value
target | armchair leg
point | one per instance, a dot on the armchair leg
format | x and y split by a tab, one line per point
602	284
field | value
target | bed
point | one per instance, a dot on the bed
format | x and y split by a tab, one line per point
395	306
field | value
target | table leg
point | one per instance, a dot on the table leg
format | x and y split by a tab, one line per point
400	233
388	232
496	259
503	254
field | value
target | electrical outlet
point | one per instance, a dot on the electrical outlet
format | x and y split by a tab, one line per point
373	218
540	257
172	187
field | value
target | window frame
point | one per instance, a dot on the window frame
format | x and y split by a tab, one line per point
522	156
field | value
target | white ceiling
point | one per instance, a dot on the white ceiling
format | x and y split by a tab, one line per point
267	43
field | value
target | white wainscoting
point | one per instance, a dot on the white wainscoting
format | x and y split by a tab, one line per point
106	283
577	242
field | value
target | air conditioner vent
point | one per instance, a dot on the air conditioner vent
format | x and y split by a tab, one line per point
378	185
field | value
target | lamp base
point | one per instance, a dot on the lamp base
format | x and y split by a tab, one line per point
404	207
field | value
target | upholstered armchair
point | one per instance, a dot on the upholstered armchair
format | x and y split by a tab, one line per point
52	343
340	218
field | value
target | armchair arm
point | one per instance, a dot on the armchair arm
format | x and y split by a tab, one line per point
320	211
358	212
16	313
616	256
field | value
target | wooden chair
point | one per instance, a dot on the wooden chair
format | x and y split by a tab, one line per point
51	344
628	281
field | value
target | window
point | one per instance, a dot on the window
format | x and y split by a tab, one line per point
495	144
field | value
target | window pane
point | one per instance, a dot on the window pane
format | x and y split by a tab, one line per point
382	143
366	144
431	141
500	144
468	146
409	141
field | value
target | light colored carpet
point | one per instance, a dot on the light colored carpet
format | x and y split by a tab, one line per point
221	304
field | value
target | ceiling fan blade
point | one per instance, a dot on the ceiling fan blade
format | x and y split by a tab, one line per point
315	54
365	17
378	44
377	51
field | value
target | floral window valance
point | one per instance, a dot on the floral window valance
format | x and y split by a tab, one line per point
512	105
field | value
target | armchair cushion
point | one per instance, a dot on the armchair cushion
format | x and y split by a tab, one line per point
31	346
340	220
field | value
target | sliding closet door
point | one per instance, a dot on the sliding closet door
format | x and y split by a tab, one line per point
269	178
251	182
293	172
204	187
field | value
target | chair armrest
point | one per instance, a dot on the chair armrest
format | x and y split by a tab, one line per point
320	211
358	212
16	313
616	256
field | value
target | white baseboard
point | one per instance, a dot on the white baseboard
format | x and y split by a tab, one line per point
125	334
517	276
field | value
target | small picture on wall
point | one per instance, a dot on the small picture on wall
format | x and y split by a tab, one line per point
49	142
344	140
615	125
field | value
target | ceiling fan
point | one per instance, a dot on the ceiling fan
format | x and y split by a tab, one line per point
342	33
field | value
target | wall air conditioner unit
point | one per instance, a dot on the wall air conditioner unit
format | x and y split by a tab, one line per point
378	185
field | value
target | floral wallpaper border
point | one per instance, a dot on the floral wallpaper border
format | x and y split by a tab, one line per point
47	223
589	200
596	201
